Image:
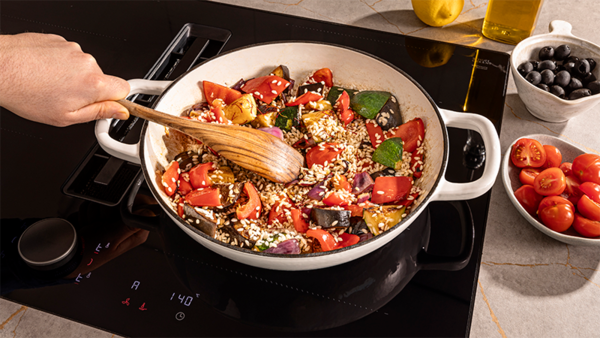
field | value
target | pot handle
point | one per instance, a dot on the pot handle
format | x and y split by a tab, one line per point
448	191
124	151
426	261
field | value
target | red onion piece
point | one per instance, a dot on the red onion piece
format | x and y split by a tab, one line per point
317	192
289	246
275	131
364	237
362	198
363	182
238	85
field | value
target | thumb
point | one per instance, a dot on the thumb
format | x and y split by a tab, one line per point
100	110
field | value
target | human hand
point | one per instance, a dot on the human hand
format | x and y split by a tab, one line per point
50	80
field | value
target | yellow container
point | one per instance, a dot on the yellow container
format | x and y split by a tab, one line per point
510	21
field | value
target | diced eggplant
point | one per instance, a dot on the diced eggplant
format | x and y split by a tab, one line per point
187	160
318	88
236	237
200	222
335	92
288	118
330	218
242	110
290	247
223	175
381	218
317	192
385	173
266	116
389	116
282	71
229	193
389	153
368	103
358	224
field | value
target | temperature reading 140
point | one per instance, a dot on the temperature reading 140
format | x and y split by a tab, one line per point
183	299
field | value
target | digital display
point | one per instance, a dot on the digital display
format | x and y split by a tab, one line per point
183	299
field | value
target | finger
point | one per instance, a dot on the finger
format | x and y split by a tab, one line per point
112	88
97	111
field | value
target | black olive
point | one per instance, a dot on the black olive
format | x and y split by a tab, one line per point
568	66
579	93
546	53
562	78
533	77
587	78
543	86
558	91
562	52
546	64
525	68
547	77
572	59
535	64
574	84
594	86
582	67
592	63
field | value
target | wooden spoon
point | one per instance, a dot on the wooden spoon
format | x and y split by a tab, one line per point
252	149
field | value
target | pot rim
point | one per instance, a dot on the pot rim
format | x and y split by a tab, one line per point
410	217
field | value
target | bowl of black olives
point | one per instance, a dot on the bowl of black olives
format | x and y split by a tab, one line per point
556	74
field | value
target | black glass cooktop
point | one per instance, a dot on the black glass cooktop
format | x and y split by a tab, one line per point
172	286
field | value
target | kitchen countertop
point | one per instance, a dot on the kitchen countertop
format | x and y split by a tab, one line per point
529	284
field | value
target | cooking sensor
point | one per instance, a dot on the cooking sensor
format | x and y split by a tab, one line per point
140	293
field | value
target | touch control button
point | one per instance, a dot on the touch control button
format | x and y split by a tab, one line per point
179	316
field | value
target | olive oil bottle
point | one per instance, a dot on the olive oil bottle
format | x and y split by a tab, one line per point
510	21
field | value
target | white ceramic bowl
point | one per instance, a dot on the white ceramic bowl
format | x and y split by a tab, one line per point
510	178
540	103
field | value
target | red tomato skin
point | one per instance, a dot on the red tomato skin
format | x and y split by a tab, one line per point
324	152
278	212
326	239
553	200
199	175
392	189
528	198
204	197
528	152
550	182
261	87
553	156
587	168
304	99
528	175
342	107
572	189
348	240
335	199
592	190
170	178
566	168
355	210
588	208
299	222
411	132
214	91
184	185
252	209
557	215
325	75
373	129
586	227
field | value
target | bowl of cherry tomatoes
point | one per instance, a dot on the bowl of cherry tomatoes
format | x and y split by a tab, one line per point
555	185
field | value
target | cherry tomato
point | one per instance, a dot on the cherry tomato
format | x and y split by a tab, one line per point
528	152
588	208
586	227
528	175
411	133
587	168
572	191
529	199
592	190
556	213
553	156
324	152
170	178
550	182
566	168
323	75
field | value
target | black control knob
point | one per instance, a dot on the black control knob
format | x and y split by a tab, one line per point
48	244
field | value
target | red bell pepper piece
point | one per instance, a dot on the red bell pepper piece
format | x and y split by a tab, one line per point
184	184
204	197
415	166
304	99
409	200
391	189
343	108
347	240
334	198
199	175
411	132
375	133
323	75
170	178
326	239
265	88
214	91
355	210
341	183
180	210
253	207
299	222
324	152
278	210
216	109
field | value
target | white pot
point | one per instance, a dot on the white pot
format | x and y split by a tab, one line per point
351	68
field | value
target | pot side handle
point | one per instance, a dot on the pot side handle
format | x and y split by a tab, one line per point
128	152
448	191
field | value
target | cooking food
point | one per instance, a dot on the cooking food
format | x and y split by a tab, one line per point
362	162
561	195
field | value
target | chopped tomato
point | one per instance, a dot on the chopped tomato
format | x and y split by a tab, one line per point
252	209
566	168
416	164
528	198
214	91
299	222
550	182
588	208
326	239
592	190
375	133
528	175
553	156
391	189
556	213
587	168
204	197
343	108
323	75
334	198
199	175
323	153
304	99
184	184
572	190
528	152
348	240
170	178
218	115
278	209
411	133
265	88
586	227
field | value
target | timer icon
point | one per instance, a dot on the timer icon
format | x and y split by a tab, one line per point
179	316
